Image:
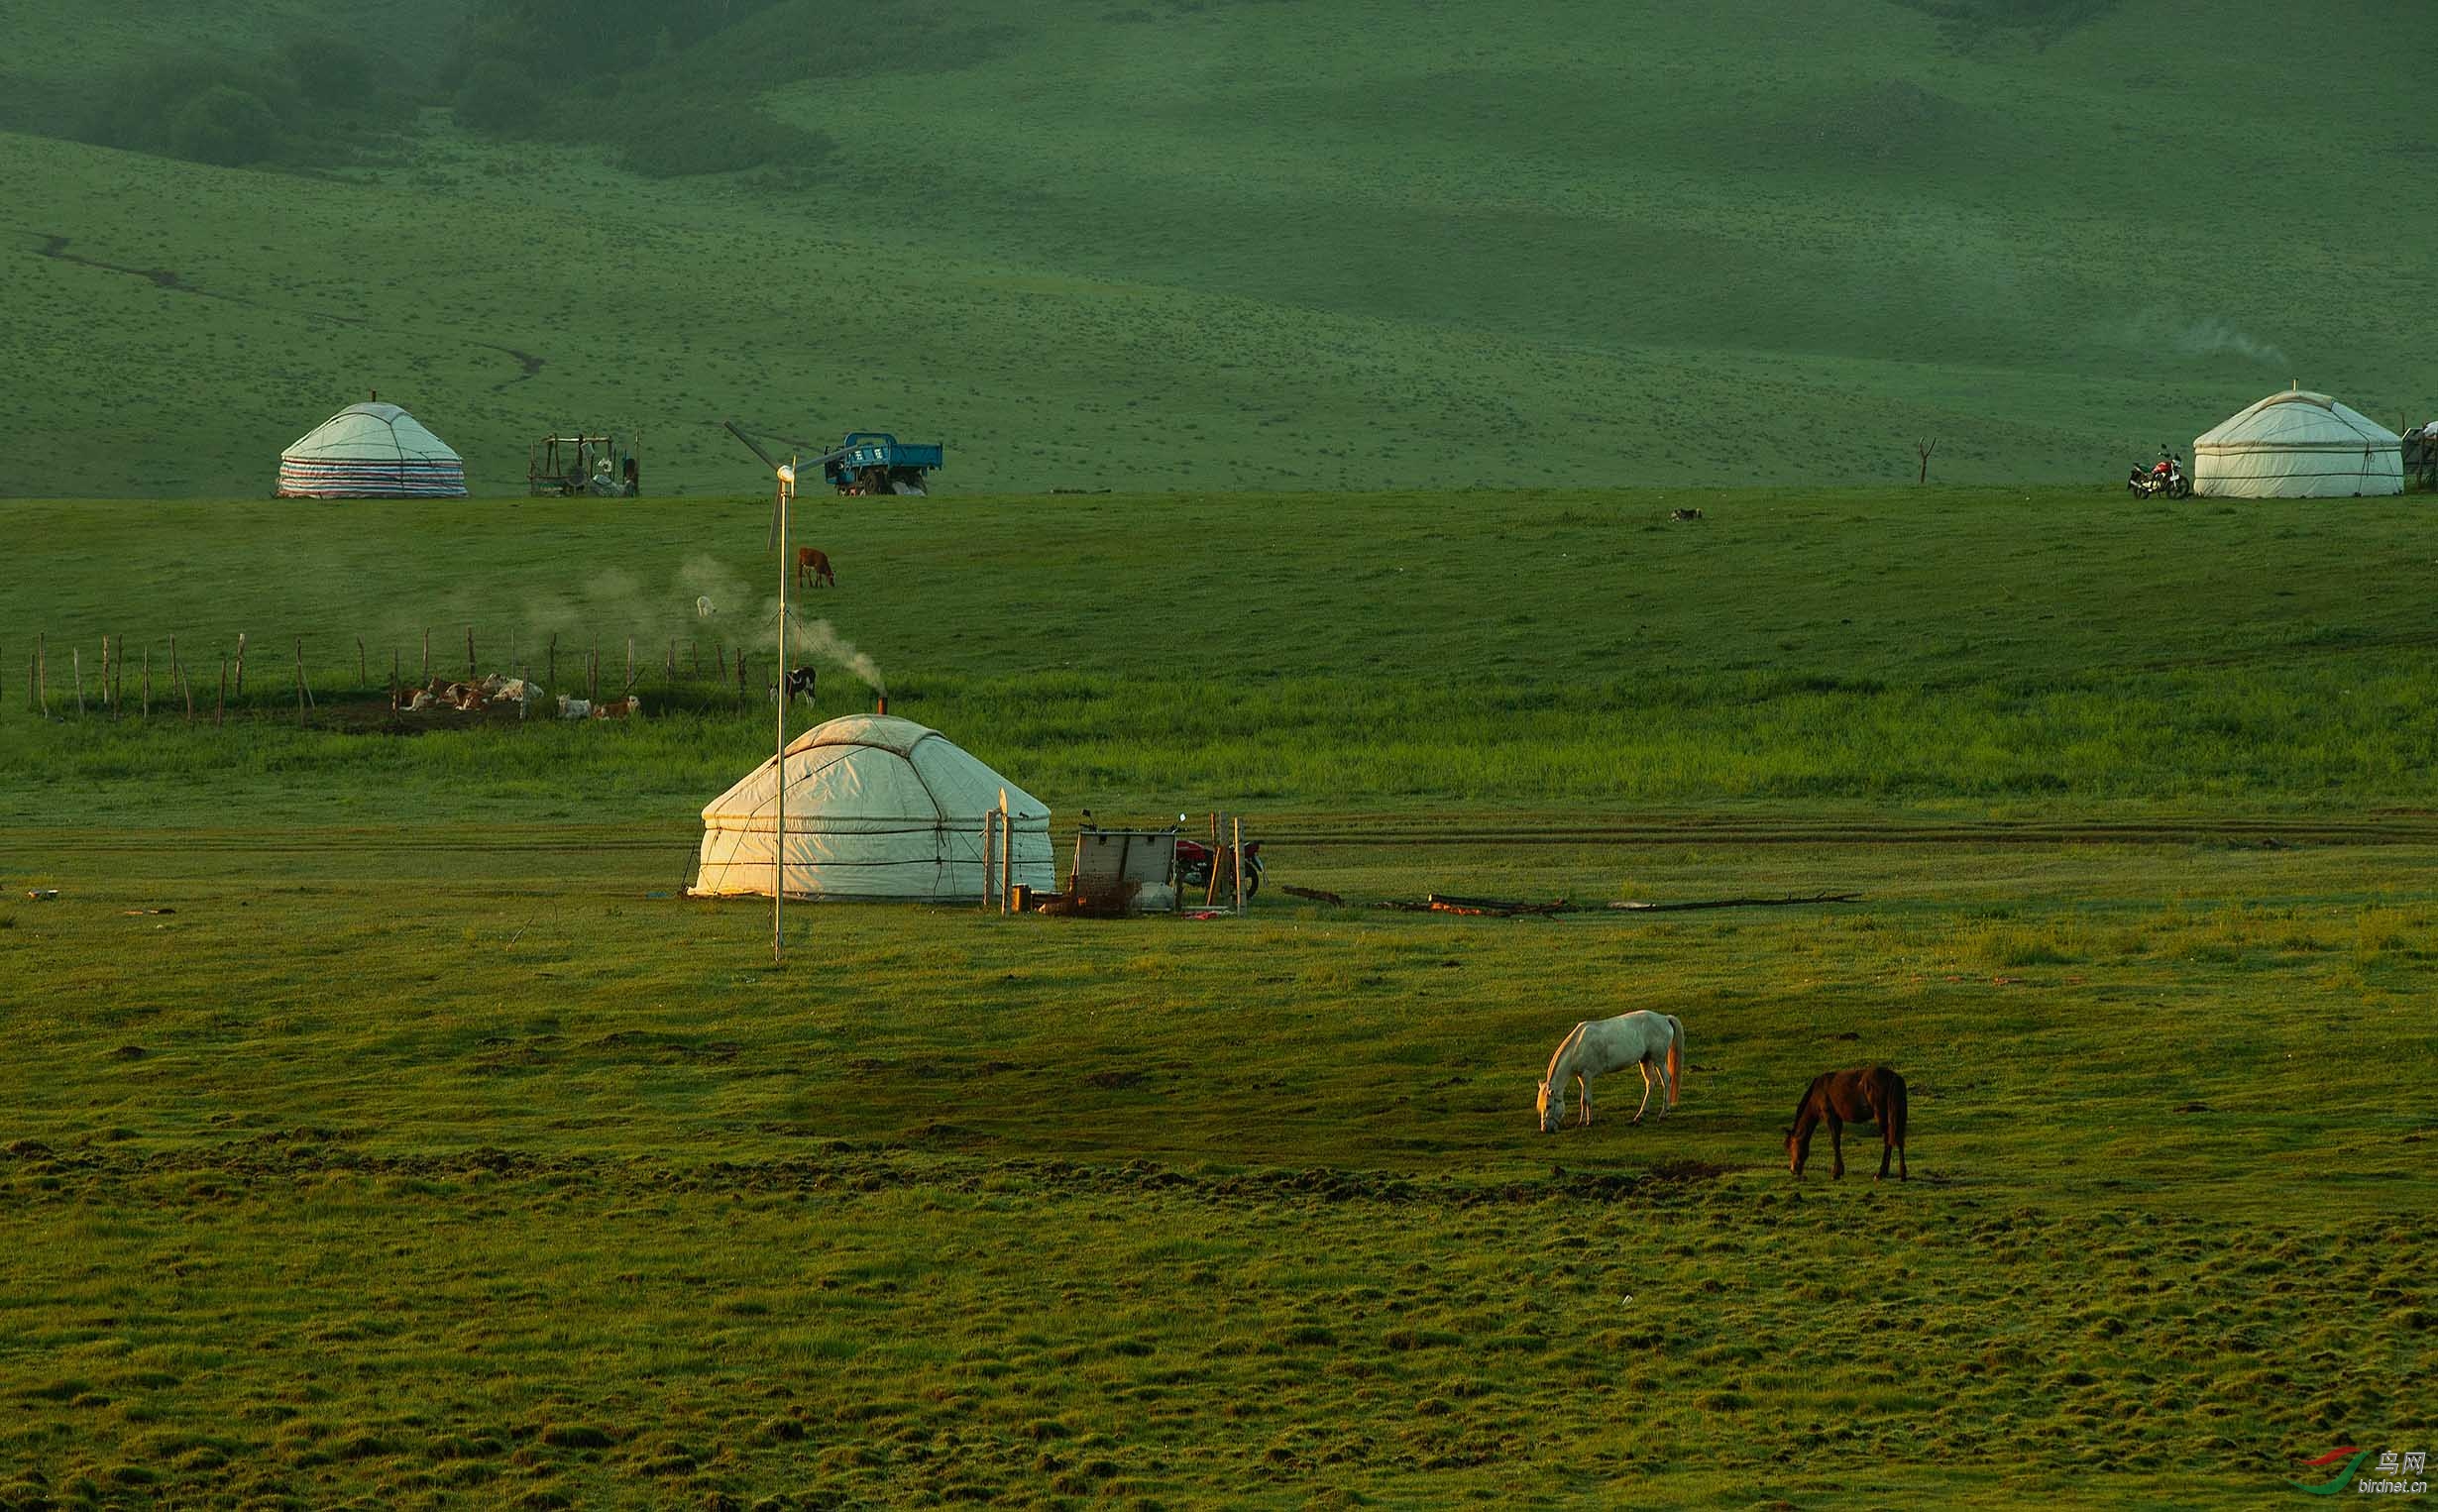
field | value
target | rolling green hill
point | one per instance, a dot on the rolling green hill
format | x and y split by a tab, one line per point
1260	245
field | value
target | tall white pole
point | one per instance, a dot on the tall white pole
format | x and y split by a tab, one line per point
778	850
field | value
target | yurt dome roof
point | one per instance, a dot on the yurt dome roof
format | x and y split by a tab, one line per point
877	806
372	450
2298	418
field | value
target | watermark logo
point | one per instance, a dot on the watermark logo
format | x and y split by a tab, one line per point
2396	1475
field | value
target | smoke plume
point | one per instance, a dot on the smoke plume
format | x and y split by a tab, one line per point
2217	338
824	641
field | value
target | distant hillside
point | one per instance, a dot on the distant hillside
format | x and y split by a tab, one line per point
1242	245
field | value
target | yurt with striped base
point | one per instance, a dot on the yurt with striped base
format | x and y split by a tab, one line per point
2299	445
370	451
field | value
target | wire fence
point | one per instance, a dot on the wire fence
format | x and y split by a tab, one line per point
317	679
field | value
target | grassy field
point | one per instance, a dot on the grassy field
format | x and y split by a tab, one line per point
565	1197
1270	247
1856	652
429	1154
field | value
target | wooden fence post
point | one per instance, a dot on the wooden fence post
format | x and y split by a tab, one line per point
300	683
471	674
631	664
990	827
1237	865
42	673
740	676
425	680
241	663
148	682
76	666
393	674
552	681
591	672
364	679
672	662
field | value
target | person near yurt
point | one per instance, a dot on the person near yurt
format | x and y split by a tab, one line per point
2299	445
877	807
371	449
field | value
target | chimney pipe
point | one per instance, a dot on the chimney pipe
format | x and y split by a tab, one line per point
884	705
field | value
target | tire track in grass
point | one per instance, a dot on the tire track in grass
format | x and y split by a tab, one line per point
54	246
1349	831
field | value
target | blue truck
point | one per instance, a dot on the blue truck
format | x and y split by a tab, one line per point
875	462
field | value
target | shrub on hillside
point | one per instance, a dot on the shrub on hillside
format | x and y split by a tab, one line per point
621	36
692	138
331	73
227	126
498	97
315	101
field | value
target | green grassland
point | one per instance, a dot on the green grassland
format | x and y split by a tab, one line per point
1275	246
429	1154
1957	654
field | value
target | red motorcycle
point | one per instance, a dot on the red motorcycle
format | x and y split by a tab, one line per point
2166	476
1193	863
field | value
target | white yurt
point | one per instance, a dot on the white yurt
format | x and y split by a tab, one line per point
877	806
370	451
2299	445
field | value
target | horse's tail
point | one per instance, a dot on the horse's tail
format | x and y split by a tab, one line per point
1676	1056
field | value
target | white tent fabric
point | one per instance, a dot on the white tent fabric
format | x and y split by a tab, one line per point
877	806
370	451
2299	445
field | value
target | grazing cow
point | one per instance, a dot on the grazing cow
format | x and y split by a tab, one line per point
799	685
1683	515
812	567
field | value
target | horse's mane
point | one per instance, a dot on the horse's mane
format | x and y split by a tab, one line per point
1573	1036
1803	1103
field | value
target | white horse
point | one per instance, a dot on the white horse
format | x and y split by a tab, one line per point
1653	1041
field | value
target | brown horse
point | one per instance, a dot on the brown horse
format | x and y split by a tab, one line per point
1864	1094
812	567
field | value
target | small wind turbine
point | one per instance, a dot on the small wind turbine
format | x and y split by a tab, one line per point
781	496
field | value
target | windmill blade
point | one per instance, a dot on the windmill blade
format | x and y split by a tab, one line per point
751	445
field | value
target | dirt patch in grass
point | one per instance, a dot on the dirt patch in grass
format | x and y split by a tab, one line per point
1687	1171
